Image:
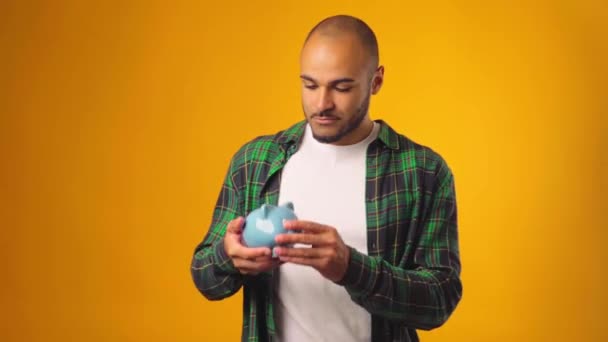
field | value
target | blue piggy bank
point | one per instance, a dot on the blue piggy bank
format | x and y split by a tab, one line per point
266	222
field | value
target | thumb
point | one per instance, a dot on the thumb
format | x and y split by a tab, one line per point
236	226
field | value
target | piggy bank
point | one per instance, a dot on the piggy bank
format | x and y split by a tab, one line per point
266	222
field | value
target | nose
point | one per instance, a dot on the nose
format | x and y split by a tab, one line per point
324	100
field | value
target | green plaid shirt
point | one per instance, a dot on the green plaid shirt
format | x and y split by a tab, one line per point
410	278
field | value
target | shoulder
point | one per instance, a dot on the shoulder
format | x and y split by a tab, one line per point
427	158
426	161
266	148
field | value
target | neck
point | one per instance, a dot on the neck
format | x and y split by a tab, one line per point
360	133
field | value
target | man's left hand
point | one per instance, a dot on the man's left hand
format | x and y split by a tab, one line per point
328	253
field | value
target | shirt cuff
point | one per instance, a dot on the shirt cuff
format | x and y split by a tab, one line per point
358	279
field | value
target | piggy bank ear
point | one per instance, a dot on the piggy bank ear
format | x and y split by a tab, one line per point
264	210
289	206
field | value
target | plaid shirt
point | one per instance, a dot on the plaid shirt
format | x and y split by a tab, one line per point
410	278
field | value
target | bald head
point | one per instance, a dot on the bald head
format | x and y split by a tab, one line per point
339	25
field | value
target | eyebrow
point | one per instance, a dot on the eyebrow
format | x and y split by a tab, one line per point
334	82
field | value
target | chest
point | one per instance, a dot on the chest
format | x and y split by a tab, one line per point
329	190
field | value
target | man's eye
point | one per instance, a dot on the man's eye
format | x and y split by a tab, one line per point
310	86
343	90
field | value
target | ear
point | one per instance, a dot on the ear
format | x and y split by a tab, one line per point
377	80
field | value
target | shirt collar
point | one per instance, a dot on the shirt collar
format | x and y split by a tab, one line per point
294	134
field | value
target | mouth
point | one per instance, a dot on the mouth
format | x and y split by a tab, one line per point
324	120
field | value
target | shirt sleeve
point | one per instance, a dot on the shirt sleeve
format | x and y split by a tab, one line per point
212	270
425	295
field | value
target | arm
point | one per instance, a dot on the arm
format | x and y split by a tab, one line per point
423	297
213	271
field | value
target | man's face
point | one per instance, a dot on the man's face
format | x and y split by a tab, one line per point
336	87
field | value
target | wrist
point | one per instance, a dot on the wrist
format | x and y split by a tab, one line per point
223	261
344	263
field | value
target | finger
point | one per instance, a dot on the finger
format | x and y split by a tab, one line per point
232	242
302	252
277	263
248	266
301	261
306	226
254	271
307	239
266	258
247	271
250	253
273	261
236	226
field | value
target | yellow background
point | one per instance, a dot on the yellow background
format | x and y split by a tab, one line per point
118	120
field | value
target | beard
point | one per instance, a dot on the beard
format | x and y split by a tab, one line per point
353	123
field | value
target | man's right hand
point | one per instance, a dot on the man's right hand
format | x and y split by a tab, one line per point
247	260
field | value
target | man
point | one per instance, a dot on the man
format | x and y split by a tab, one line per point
375	255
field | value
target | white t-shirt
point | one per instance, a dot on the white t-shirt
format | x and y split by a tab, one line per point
326	184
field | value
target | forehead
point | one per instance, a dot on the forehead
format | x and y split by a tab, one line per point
330	57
